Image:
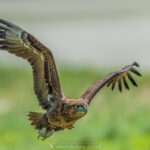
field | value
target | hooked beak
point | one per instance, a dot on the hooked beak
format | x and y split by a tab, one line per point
82	109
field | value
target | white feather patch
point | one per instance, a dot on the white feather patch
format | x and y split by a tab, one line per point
49	97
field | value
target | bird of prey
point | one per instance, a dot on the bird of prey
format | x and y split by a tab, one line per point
61	112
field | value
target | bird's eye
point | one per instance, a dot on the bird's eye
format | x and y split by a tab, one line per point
77	106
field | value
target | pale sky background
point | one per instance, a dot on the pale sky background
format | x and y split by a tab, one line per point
101	33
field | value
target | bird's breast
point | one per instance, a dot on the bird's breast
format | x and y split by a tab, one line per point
59	120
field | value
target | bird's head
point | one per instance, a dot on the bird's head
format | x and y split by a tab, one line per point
75	109
79	110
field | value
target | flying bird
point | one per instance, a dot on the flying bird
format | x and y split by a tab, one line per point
60	112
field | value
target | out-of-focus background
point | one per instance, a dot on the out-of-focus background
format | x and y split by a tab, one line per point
89	39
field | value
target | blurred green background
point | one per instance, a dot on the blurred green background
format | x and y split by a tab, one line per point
115	121
89	39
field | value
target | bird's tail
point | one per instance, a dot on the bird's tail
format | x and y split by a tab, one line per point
36	119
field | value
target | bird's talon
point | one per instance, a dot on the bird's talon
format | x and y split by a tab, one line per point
44	133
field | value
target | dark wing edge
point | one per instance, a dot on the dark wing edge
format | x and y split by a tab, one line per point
118	77
125	73
22	44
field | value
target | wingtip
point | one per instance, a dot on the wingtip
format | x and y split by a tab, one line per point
135	64
120	91
133	70
8	24
4	22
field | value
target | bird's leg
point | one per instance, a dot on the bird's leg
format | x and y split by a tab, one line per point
48	134
42	132
45	133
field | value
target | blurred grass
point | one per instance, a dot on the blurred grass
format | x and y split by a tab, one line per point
115	121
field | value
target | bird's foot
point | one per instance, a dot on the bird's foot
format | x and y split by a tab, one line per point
45	133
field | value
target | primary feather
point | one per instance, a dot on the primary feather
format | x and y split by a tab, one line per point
112	79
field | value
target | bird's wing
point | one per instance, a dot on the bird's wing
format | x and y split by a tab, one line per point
22	44
112	79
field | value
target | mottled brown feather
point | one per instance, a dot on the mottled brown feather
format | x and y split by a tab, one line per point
22	44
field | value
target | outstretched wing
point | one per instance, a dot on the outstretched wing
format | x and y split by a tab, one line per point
125	72
22	44
113	79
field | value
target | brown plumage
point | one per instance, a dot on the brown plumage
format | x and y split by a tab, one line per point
61	112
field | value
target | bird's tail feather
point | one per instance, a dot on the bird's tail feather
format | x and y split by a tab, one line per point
36	119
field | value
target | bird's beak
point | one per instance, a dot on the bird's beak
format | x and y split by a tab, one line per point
82	109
